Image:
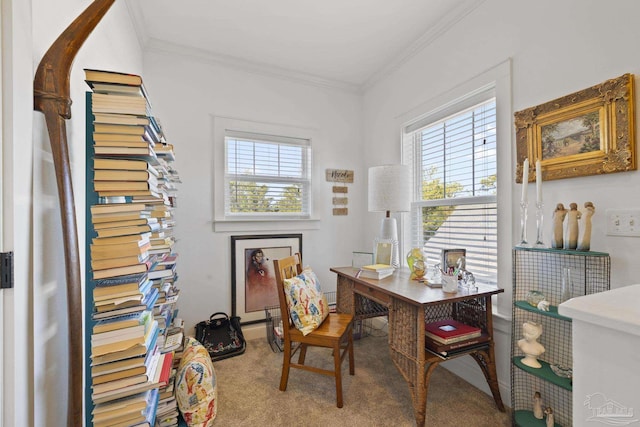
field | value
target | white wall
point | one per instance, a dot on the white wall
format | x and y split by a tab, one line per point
186	94
556	48
113	46
17	108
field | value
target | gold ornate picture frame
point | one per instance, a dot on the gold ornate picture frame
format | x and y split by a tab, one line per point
590	132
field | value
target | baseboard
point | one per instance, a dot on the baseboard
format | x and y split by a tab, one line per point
255	331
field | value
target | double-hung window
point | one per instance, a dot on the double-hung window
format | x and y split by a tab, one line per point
453	158
266	176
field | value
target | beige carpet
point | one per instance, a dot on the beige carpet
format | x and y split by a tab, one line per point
377	395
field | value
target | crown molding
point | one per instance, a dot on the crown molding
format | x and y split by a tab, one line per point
150	44
448	21
206	57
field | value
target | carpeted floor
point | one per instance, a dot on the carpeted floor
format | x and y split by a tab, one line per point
377	395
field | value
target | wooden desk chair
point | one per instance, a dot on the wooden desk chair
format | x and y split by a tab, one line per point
335	332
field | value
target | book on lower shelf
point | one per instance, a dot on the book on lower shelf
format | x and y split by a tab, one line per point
456	347
449	331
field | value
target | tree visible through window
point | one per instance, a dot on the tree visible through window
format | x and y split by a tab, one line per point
454	162
266	175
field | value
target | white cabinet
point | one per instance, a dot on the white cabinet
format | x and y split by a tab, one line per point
606	346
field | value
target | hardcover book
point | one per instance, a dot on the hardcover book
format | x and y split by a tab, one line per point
449	331
104	76
377	275
120	119
448	349
120	322
377	267
117	207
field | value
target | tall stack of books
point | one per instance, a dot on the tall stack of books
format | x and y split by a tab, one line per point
132	266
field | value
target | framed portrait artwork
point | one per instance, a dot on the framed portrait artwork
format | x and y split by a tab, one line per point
590	132
253	280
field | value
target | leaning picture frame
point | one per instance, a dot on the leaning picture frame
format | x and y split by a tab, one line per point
590	132
382	251
253	282
450	257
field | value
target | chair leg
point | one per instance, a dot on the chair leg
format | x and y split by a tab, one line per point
286	363
303	354
338	373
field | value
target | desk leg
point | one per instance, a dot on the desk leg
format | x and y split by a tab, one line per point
345	300
487	362
406	344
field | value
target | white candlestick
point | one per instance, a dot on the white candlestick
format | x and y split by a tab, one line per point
525	179
538	182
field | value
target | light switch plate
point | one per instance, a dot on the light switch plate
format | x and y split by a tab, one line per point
623	222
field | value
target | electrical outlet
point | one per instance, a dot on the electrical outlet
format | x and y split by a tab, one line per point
623	222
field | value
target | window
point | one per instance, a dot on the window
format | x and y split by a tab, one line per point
453	154
266	176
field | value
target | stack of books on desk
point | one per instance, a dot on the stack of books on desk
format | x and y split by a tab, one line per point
375	271
448	337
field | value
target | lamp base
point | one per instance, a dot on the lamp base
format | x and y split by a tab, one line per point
389	232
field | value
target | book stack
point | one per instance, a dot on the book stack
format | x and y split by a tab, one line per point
132	193
448	337
375	271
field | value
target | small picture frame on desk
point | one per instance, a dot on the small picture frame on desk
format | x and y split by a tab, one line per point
450	257
382	251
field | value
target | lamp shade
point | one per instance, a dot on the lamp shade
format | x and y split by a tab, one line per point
389	188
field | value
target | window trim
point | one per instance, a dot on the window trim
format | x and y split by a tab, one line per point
498	77
223	223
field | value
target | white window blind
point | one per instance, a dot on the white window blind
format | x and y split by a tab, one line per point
266	176
454	165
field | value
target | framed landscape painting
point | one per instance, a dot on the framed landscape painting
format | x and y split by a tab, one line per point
590	132
253	280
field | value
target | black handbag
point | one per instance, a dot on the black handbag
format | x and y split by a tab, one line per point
221	335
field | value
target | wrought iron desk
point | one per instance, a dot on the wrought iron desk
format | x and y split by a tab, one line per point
409	304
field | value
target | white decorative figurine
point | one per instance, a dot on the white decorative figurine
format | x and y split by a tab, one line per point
572	226
549	413
558	219
529	345
585	243
537	406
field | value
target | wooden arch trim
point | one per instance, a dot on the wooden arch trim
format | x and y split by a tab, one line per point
51	92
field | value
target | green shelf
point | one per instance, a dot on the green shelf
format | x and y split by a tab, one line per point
545	373
526	419
553	310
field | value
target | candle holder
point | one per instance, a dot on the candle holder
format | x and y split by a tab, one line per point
539	218
523	225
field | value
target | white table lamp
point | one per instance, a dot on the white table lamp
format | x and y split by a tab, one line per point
390	191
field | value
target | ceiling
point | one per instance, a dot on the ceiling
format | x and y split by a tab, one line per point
348	43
